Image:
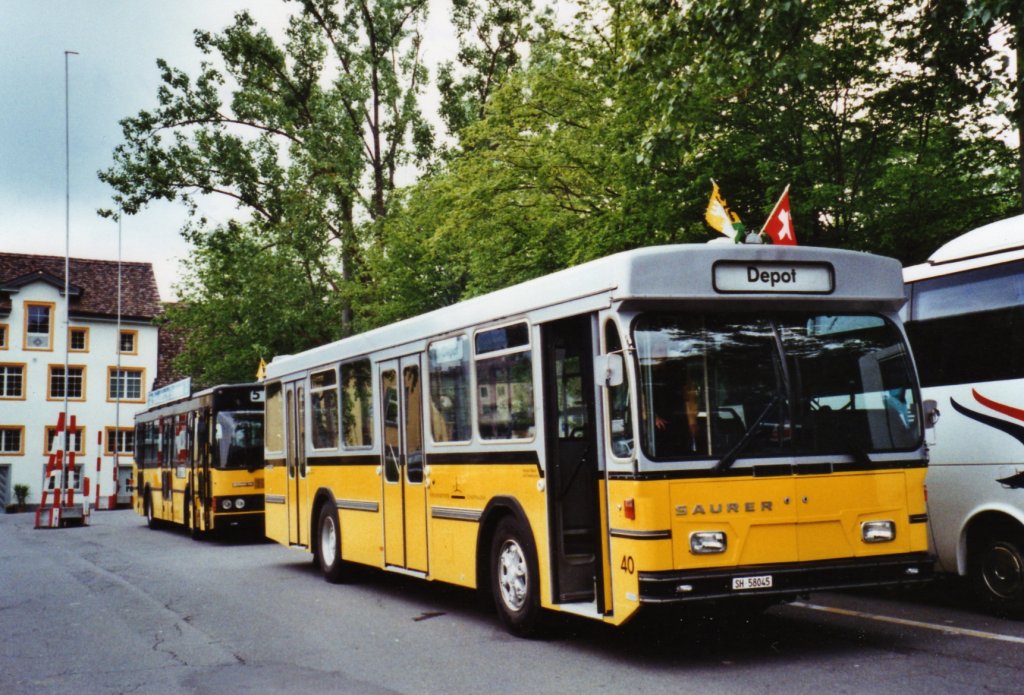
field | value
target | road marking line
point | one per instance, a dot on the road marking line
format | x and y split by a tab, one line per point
948	629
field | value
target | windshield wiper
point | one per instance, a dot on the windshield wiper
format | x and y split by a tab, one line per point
731	455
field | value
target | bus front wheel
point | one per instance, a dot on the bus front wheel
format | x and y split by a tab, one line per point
998	572
151	519
514	578
329	549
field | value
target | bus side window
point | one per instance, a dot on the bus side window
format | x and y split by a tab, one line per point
323	396
274	408
504	378
357	405
448	365
958	317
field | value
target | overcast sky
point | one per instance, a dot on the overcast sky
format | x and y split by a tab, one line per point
113	76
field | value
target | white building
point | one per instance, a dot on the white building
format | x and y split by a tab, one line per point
110	370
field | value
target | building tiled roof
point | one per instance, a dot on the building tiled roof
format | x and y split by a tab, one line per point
172	342
94	280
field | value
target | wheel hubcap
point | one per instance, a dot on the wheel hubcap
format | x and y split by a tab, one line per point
1003	571
328	542
512	577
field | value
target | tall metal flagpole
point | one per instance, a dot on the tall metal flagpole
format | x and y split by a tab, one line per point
67	252
121	381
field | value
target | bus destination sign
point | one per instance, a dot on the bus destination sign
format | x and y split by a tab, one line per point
773	277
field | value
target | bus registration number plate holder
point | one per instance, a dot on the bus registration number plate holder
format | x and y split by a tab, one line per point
763	581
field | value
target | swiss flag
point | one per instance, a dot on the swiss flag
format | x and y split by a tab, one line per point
780	223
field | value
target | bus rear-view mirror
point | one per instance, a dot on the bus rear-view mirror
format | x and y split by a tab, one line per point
608	369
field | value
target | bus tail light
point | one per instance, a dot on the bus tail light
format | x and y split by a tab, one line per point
707	542
629	508
877	531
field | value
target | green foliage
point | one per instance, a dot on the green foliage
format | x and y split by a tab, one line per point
869	110
248	299
490	34
889	121
306	136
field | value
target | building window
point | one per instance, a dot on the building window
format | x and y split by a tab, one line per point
75	442
12	381
124	384
12	440
128	343
75	382
3	336
74	479
119	441
38	326
78	339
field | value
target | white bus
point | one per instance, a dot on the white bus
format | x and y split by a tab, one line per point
666	425
965	319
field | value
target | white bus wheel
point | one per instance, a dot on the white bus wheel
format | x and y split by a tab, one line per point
329	545
514	579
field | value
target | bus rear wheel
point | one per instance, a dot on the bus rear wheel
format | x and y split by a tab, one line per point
998	572
329	546
514	579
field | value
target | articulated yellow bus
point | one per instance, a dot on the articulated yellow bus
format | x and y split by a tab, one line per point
199	458
666	425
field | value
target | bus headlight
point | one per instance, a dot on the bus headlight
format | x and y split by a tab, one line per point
707	542
240	503
225	504
877	531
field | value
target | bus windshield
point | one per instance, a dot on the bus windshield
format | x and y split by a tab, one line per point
720	386
239	440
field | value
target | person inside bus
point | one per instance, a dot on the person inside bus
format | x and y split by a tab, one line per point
675	401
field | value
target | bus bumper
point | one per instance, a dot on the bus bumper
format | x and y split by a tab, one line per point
239	522
785	579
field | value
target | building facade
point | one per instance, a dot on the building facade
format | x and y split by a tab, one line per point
111	365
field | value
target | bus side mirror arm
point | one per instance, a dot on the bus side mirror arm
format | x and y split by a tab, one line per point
608	369
931	413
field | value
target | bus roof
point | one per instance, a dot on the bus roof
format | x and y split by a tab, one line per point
990	244
183	402
685	271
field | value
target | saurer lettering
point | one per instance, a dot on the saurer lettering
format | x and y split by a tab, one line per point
723	508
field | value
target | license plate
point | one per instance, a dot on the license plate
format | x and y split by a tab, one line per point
742	583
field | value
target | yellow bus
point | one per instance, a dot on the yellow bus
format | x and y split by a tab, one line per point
666	425
199	458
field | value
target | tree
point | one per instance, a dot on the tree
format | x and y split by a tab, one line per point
874	112
245	300
876	135
490	35
306	137
1006	18
534	187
